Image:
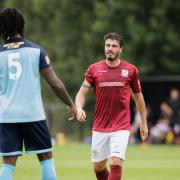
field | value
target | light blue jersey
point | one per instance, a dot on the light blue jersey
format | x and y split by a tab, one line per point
20	90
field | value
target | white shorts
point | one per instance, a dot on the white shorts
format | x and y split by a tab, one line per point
106	145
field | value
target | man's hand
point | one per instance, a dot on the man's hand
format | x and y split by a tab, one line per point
144	131
72	111
81	115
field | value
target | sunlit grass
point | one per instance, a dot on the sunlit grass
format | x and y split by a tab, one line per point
73	162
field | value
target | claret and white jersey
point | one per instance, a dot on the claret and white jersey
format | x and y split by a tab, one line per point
112	88
20	91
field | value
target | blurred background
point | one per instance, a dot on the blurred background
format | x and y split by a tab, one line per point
71	31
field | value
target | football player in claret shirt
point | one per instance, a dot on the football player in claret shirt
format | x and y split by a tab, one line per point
112	80
22	117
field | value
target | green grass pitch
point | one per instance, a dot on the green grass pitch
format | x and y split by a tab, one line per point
73	162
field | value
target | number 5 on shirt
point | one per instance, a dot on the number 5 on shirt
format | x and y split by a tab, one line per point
14	63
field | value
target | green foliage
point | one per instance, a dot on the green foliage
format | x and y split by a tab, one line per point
72	31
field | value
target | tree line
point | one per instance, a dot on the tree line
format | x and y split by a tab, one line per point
71	31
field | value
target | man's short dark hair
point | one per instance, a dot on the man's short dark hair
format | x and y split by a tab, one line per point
114	36
11	23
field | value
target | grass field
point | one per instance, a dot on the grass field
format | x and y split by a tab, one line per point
73	163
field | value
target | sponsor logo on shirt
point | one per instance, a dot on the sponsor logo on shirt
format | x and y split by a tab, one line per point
13	45
102	71
124	73
106	84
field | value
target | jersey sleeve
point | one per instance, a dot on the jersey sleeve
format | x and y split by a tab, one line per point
44	61
89	76
135	82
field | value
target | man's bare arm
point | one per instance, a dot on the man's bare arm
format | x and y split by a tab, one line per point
58	88
80	100
140	104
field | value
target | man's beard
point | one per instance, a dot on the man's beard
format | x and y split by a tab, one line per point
112	58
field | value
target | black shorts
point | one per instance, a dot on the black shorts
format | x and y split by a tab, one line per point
33	135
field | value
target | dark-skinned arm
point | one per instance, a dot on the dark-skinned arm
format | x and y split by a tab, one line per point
58	88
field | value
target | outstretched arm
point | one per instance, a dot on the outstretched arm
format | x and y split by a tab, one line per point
59	89
80	100
140	104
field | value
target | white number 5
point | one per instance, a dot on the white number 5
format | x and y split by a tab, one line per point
14	63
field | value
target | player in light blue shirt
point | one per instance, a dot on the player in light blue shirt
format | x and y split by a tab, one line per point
22	117
19	77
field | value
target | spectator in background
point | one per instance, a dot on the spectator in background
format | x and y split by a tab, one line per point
170	110
135	126
160	130
158	133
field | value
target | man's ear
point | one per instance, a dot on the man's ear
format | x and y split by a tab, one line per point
121	50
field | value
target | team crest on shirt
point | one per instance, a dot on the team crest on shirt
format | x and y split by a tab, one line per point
124	73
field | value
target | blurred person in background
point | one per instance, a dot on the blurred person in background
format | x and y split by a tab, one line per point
22	117
158	133
170	109
135	125
112	80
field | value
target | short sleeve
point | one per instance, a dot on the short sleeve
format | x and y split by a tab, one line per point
89	76
135	82
44	61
